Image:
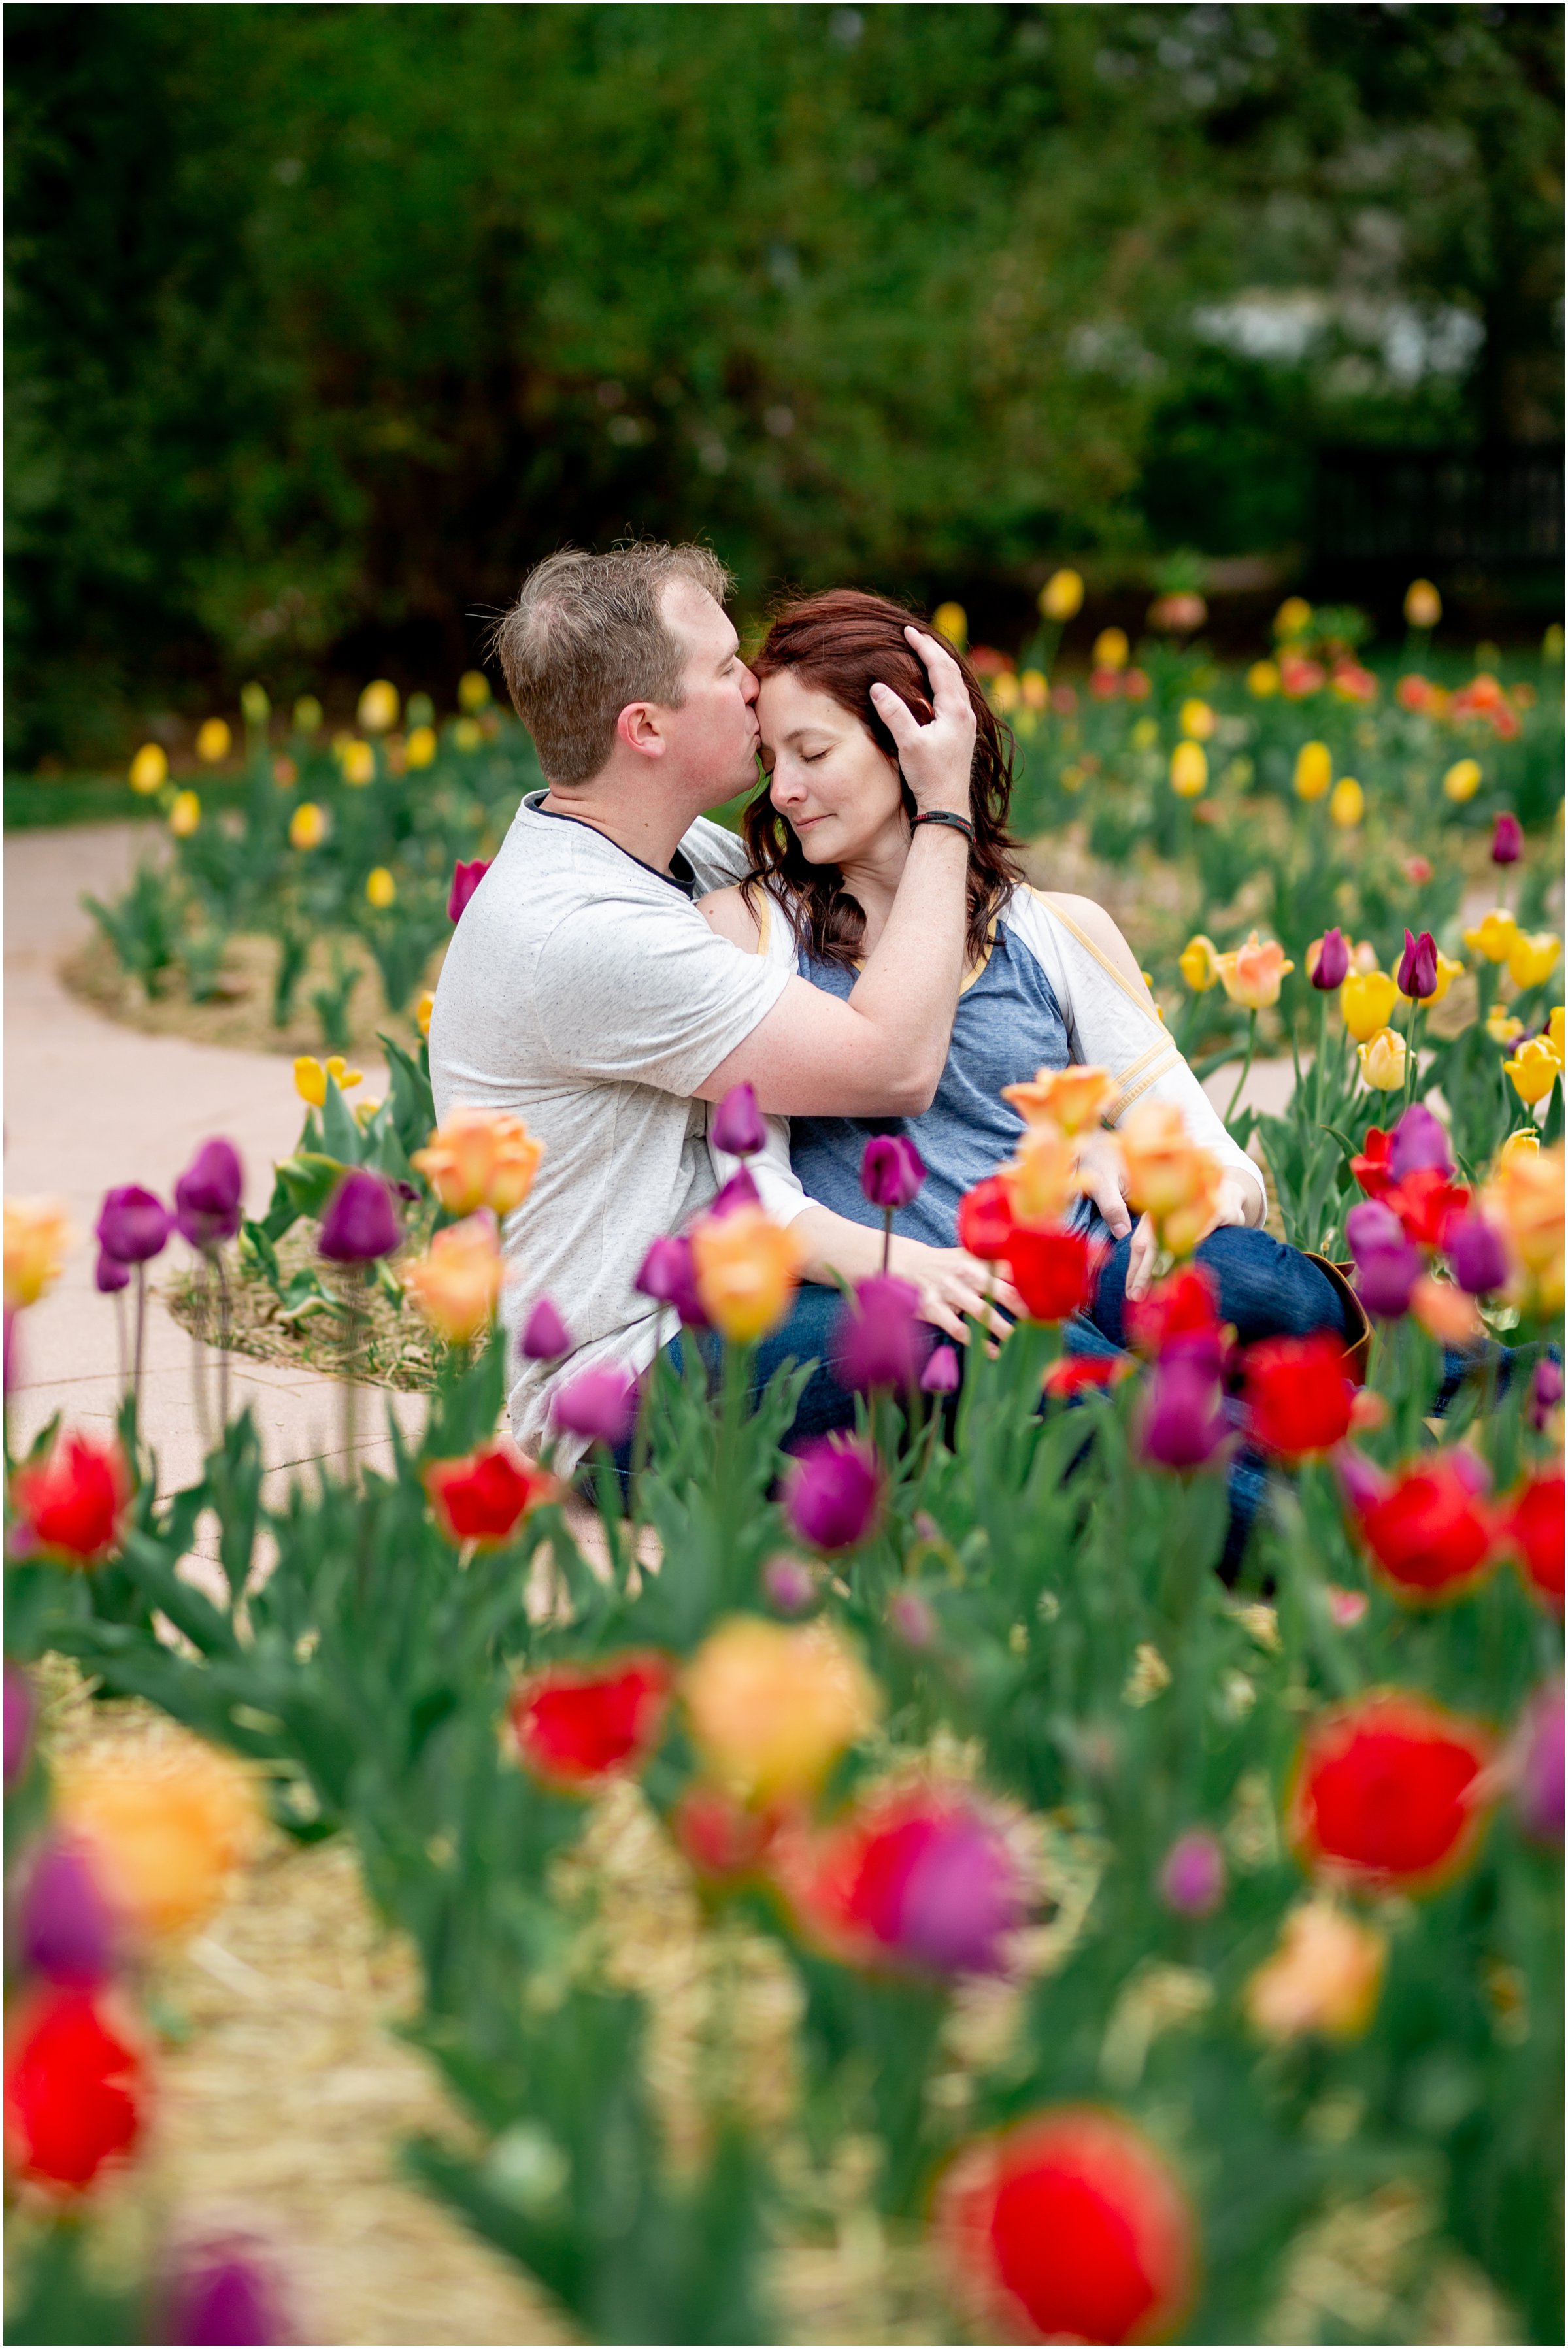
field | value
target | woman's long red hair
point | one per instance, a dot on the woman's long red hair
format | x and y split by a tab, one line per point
841	644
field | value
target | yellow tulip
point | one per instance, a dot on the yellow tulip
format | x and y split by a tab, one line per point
306	714
1199	965
1253	975
1552	642
1034	688
214	741
380	888
770	1707
1382	1061
422	1011
1554	1033
166	1823
1189	770
420	750
254	707
1197	719
307	825
379	707
1263	680
1526	1142
310	1078
1463	781
1111	649
1346	804
184	814
1069	1098
38	1238
1072	778
456	1283
747	1268
1532	956
1040	1178
473	689
1323	1979
1062	598
951	620
150	768
1366	1000
358	760
1423	604
1502	1025
1294	619
479	1158
1533	1070
1005	693
1494	935
466	735
1523	1201
1315	771
1144	734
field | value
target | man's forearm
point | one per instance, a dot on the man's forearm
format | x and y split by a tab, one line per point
908	989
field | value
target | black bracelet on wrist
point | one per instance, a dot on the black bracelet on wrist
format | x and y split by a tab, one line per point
945	816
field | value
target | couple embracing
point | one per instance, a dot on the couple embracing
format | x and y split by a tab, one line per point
869	957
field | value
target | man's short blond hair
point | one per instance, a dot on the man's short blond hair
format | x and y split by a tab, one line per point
586	637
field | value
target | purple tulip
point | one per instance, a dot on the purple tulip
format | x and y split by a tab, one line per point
943	1373
740	1191
1370	1224
1385	1277
208	1194
360	1223
1537	1766
1420	1141
790	1584
833	1493
1183	1423
1418	966
546	1337
1477	1253
1546	1392
668	1273
912	1620
600	1403
19	1714
1507	840
891	1171
465	880
222	2294
737	1126
1192	1878
1360	1479
133	1225
1333	961
65	1926
880	1340
110	1274
960	1896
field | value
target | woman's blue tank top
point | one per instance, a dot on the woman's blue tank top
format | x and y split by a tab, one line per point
1009	1025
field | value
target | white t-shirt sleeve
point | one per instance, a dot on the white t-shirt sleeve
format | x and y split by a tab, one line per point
631	992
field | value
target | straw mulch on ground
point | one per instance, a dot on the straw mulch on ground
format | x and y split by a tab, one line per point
380	1344
238	1013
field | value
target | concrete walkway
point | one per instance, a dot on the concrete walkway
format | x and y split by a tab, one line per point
89	1103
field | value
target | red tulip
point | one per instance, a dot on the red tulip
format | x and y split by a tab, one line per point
919	1880
1430	1529
1533	1530
1370	1165
1426	1202
1075	1374
1053	1269
71	1504
1388	1791
1300	1395
577	1723
73	2090
725	1841
486	1498
1070	2227
985	1219
1186	1304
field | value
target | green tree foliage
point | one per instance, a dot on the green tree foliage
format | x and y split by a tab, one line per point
325	320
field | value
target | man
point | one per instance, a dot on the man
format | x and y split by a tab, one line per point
584	992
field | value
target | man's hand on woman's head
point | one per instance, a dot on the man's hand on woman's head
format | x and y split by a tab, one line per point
936	760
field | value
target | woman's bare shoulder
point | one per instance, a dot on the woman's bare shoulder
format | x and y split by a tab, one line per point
729	913
1101	931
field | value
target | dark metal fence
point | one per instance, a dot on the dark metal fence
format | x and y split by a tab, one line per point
1431	510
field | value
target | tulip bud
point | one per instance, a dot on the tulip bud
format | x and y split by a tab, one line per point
1381	1060
943	1373
668	1273
65	1926
223	2291
1192	1878
790	1584
833	1493
1477	1255
360	1222
207	1196
740	1191
1507	840
1546	1392
1418	975
465	880
1386	1278
600	1403
546	1337
1183	1423
1329	961
737	1128
132	1223
1537	1766
891	1171
1420	1141
110	1274
912	1620
880	1340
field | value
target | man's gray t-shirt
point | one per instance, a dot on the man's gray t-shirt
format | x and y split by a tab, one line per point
583	991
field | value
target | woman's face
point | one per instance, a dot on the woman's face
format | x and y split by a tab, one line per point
839	794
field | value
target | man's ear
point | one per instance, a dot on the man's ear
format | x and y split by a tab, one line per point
639	729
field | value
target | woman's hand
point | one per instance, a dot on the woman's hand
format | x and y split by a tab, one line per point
953	1283
1103	1179
1235	1202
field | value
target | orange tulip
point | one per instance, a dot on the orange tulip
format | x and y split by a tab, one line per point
1069	1098
37	1238
479	1158
1042	1178
456	1284
166	1823
1169	1179
1253	975
1523	1200
747	1267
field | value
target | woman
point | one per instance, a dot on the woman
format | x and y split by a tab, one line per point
1050	981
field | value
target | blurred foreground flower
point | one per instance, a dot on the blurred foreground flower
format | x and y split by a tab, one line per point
1323	1979
1192	1874
1523	1201
833	1493
546	1337
1346	804
484	1497
1535	1766
598	1405
479	1158
184	814
1429	1528
1168	1177
166	1825
1300	1394
70	1505
38	1238
576	1725
985	1219
1181	1423
736	1125
456	1283
667	1274
921	1880
747	1268
359	1222
1463	780
880	1341
65	1926
770	1707
225	2290
1532	1529
1387	1792
74	2086
208	1195
1073	1098
1054	1270
1070	2226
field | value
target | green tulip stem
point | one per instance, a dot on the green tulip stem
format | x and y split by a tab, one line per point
222	1279
887	1239
1411	1071
1246	1064
140	1334
359	1322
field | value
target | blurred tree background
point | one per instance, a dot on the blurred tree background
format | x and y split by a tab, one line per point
325	321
